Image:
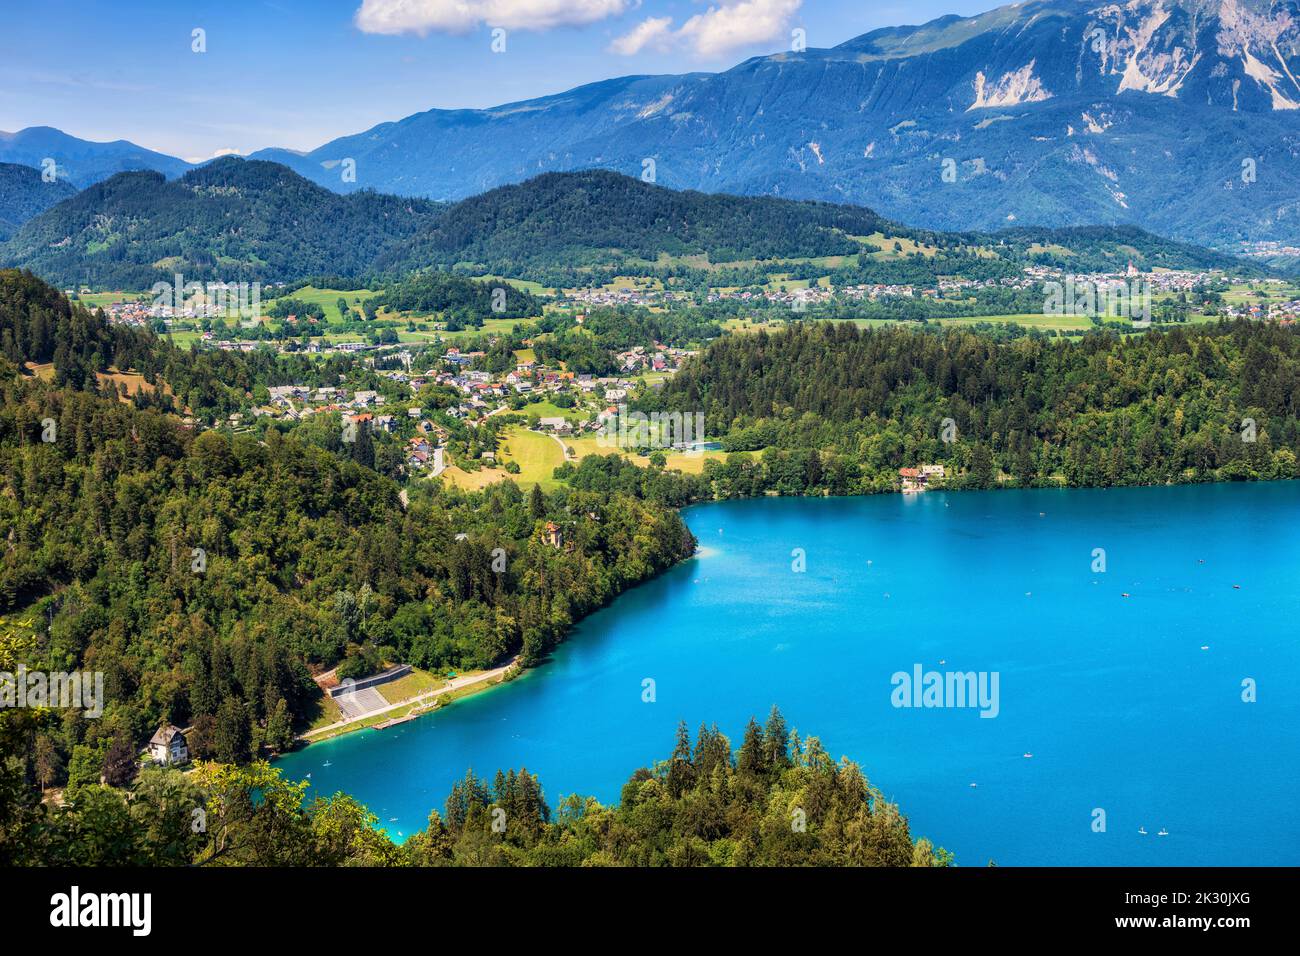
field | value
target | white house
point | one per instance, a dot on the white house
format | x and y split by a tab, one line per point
168	745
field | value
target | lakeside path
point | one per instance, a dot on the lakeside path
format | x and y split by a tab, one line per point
456	683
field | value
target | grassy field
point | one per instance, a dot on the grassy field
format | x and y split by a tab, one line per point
411	685
472	480
102	300
537	456
183	340
133	381
546	409
687	463
490	327
327	299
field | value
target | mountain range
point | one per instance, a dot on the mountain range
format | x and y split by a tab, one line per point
80	161
237	220
1176	115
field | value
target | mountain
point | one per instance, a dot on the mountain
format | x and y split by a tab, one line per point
597	217
24	193
237	220
80	161
1176	115
231	220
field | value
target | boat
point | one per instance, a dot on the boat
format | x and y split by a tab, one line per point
1205	647
327	763
1124	594
974	784
1027	755
1163	832
1142	830
1236	587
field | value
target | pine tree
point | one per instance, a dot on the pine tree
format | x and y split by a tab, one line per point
774	737
752	758
681	772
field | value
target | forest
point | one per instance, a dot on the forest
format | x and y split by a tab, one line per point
466	302
831	408
779	800
208	575
231	220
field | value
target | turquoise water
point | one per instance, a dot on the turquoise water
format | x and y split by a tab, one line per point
1114	696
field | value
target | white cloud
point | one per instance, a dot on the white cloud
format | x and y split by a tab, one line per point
460	16
227	151
724	28
655	32
727	26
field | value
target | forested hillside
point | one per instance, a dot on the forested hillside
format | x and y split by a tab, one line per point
599	216
231	220
833	407
24	193
39	326
236	220
778	801
307	557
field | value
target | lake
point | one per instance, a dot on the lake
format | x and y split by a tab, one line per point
1131	705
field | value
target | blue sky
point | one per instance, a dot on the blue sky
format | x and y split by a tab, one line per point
297	73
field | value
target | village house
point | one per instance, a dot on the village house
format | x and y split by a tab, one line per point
916	479
557	424
552	534
912	480
168	746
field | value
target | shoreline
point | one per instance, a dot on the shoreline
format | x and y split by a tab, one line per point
412	707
